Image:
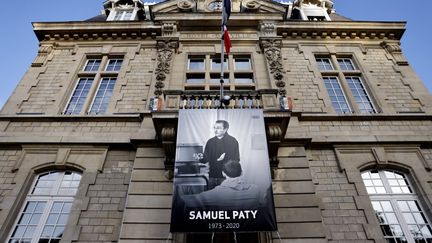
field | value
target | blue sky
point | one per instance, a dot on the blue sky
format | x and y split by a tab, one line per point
18	44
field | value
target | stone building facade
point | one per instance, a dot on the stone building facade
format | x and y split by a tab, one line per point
87	139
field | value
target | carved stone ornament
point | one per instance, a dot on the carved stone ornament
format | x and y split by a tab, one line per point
268	29
166	50
273	54
396	51
274	137
251	5
169	29
186	5
168	137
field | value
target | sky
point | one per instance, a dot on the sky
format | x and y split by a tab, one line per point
18	44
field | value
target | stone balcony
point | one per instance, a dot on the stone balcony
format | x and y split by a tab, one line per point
240	99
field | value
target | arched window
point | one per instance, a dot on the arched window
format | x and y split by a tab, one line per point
399	213
46	209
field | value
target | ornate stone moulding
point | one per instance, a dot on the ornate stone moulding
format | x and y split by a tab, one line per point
99	36
96	31
316	34
341	30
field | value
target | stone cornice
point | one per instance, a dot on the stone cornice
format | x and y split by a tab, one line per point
73	118
215	18
286	29
341	29
95	30
362	117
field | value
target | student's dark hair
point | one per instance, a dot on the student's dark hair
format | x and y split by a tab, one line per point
224	123
232	168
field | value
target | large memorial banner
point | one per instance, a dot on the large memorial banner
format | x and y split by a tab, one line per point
222	179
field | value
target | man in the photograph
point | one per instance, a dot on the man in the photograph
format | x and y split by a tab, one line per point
218	150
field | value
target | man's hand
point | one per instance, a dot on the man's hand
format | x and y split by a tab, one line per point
198	156
221	157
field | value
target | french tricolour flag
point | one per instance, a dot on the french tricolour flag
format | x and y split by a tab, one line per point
226	11
225	15
227	40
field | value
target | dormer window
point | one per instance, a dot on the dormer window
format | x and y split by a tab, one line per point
125	10
316	18
314	13
123	15
311	10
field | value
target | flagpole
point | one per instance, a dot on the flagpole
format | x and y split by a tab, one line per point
222	57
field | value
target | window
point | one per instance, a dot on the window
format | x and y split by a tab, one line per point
196	63
79	96
94	89
346	64
123	14
103	96
216	64
324	64
314	13
46	208
114	65
204	72
336	94
361	97
343	82
242	63
92	65
397	207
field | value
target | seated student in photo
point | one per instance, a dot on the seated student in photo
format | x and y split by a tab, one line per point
232	192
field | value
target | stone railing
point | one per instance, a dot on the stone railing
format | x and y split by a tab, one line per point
256	99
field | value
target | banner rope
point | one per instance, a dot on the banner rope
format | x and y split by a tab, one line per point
212	237
277	232
168	238
235	237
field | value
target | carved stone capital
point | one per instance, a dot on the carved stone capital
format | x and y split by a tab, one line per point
396	51
272	51
391	47
166	50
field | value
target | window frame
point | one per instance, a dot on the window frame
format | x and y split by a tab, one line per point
343	75
103	96
123	14
115	65
98	77
324	58
343	93
211	75
236	57
354	67
72	94
49	200
87	63
394	199
368	96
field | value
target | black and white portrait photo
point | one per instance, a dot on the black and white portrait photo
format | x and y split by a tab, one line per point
222	178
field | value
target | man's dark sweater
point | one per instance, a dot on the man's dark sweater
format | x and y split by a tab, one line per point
214	148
